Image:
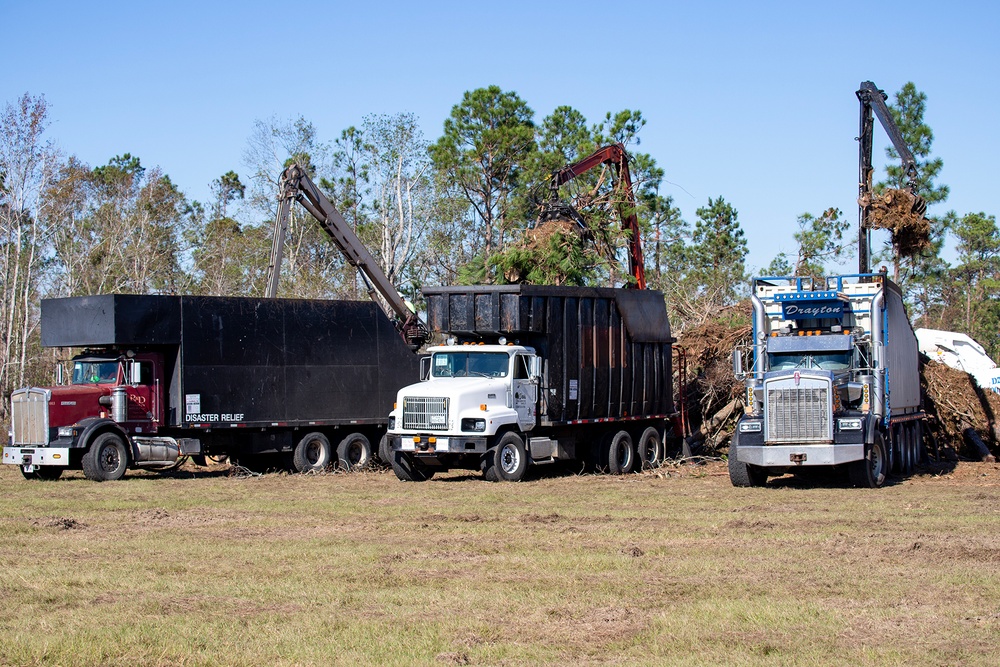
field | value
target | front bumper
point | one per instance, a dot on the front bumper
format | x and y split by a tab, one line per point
438	444
29	457
773	456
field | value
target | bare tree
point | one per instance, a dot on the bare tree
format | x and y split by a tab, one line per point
26	167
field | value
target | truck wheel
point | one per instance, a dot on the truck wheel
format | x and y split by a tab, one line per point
743	474
354	452
384	451
488	464
313	453
918	443
511	458
907	450
650	449
618	453
106	459
408	470
899	456
870	472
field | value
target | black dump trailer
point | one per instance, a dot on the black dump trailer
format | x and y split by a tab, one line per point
589	378
169	376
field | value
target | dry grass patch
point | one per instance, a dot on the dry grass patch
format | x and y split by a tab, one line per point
676	567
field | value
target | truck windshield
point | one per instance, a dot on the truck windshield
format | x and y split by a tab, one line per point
466	364
830	361
93	371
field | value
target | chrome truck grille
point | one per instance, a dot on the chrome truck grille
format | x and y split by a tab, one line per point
425	413
798	412
29	417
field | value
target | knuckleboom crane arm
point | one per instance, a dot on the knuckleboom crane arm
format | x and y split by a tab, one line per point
873	100
615	156
297	186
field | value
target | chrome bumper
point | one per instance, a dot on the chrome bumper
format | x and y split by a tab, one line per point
29	457
769	456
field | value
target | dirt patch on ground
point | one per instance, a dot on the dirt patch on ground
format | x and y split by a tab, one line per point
60	523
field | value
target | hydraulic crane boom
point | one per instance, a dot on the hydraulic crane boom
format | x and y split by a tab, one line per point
873	99
297	186
615	156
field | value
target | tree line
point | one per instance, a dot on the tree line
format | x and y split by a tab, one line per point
462	208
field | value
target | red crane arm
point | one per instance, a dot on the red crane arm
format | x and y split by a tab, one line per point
615	156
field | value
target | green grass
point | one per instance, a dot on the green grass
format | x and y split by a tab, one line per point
362	569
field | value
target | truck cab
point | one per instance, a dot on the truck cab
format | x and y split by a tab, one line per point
469	396
109	391
832	380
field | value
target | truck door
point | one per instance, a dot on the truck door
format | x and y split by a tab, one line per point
525	393
143	405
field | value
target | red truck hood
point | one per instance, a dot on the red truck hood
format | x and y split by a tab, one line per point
72	403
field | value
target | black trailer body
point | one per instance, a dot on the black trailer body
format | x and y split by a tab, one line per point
249	362
607	351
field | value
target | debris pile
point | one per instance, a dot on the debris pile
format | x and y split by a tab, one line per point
712	395
902	213
955	404
547	254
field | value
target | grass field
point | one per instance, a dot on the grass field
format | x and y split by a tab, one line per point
675	567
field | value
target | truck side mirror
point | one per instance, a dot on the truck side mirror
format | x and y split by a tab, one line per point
737	362
535	368
59	374
134	373
425	368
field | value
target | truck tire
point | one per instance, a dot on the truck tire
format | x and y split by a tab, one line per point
907	447
384	451
870	472
488	464
895	451
918	443
650	449
354	452
408	470
743	474
106	459
510	458
312	454
617	453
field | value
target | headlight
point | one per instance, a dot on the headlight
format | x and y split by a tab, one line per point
65	431
392	423
849	424
475	425
750	427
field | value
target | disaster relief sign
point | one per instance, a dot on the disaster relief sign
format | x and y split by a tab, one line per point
193	413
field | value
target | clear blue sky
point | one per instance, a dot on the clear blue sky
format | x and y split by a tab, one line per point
751	101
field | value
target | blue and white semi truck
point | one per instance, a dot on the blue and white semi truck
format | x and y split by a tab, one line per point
832	379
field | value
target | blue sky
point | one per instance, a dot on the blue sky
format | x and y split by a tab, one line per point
751	101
